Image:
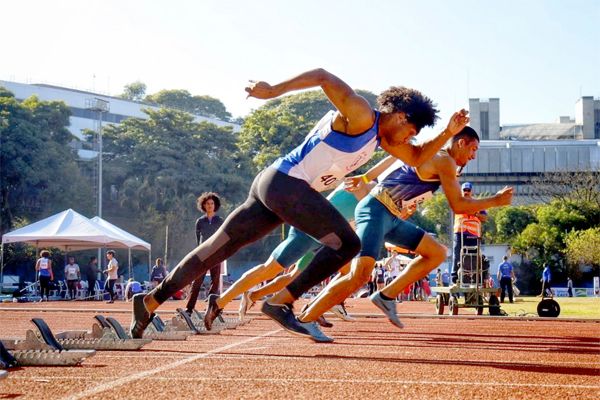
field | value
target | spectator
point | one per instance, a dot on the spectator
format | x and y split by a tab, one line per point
446	278
132	287
379	276
506	274
438	278
112	272
72	275
159	272
206	226
392	265
467	230
546	278
90	273
569	287
43	269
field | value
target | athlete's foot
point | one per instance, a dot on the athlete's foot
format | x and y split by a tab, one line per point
388	307
315	333
212	311
141	318
245	305
340	311
284	316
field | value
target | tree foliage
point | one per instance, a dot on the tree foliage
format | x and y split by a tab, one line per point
134	91
583	247
437	211
39	172
206	106
160	165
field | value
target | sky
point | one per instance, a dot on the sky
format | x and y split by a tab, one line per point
537	56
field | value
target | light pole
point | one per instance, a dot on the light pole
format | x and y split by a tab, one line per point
100	106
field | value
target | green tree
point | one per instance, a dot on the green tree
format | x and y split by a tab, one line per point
437	211
39	174
583	247
206	106
511	221
134	91
160	165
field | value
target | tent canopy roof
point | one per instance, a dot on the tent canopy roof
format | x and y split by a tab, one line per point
69	230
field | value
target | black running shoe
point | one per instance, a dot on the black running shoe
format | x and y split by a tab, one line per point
140	318
284	316
212	311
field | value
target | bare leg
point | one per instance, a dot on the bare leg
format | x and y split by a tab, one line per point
431	254
251	278
339	289
275	285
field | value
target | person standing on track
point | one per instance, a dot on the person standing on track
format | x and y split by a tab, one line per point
206	226
288	190
43	268
112	275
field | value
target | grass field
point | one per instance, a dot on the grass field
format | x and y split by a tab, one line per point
570	307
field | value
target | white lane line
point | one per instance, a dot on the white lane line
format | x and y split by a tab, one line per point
119	382
347	381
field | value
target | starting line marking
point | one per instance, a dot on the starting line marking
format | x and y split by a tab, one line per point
119	382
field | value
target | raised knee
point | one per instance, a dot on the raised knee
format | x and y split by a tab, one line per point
439	253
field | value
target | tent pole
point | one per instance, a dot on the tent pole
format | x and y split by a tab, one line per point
149	262
129	262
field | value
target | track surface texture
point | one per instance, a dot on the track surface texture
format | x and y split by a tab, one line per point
434	358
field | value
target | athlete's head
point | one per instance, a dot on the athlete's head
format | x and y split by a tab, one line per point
464	146
409	111
45	253
208	202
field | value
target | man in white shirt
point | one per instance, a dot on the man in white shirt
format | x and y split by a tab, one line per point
72	275
112	271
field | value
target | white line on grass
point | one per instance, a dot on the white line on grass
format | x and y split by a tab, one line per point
144	374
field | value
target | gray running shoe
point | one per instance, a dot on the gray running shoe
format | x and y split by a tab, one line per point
140	318
315	333
388	307
245	305
284	316
212	311
340	311
321	320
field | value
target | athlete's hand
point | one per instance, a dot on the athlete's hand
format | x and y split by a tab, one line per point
406	213
353	183
261	90
458	121
504	196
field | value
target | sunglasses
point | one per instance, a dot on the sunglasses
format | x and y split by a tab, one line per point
467	190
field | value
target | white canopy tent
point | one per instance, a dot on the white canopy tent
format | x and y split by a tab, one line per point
71	231
132	241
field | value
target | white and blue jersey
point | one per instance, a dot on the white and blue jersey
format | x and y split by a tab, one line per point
326	156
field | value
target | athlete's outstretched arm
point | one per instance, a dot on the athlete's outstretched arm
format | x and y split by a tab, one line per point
458	203
415	155
352	183
354	109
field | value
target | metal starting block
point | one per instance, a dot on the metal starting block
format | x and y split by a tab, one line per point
194	322
3	374
41	348
157	330
102	337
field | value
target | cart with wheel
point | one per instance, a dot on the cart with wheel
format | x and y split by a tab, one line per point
470	286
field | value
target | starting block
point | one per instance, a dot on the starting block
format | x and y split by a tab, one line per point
158	330
102	337
42	348
3	374
195	323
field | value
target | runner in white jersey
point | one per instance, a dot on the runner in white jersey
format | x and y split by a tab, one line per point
288	190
